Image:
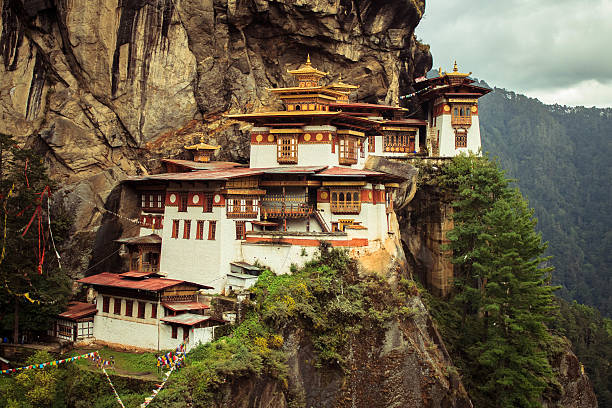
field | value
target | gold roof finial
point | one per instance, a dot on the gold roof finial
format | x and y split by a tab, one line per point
455	67
340	77
308	59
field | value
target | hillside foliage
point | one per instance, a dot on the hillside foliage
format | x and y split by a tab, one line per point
495	319
560	157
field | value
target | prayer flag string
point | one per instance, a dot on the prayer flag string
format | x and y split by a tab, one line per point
113	387
49	363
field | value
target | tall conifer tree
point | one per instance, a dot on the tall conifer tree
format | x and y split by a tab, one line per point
501	288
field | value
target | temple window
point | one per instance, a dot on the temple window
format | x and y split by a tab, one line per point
183	197
240	230
151	201
200	230
461	115
347	147
128	307
287	149
345	201
371	144
399	142
186	229
460	138
212	229
242	207
207	204
175	228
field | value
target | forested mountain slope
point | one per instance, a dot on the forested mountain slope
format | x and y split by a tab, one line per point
561	158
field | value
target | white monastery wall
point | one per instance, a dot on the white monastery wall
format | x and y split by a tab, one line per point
264	156
277	257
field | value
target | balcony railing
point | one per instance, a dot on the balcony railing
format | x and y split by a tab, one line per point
292	210
461	120
147	267
242	214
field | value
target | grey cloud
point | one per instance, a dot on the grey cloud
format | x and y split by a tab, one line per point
522	44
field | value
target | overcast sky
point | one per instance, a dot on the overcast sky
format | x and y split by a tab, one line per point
559	51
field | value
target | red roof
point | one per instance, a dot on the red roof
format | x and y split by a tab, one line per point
372	106
407	121
202	175
188	319
195	165
149	284
348	171
185	306
138	274
147	239
78	310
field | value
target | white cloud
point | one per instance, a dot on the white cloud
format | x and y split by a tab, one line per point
586	93
526	45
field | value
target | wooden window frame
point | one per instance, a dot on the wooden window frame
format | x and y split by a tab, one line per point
117	306
174	333
460	139
186	229
207	202
153	310
151	201
142	307
212	230
175	228
186	333
371	144
348	150
183	201
105	304
339	203
240	230
242	207
129	308
200	230
461	114
287	149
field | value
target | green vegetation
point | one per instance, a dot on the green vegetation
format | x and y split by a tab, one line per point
495	320
78	384
591	337
23	178
31	388
561	158
324	299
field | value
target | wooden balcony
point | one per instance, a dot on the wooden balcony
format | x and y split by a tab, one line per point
461	120
245	214
292	210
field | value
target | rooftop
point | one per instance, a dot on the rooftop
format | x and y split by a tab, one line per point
188	319
147	239
78	310
151	284
185	306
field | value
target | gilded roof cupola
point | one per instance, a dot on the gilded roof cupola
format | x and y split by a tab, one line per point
307	75
202	152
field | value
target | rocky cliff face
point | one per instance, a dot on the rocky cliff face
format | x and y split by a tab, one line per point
404	365
105	91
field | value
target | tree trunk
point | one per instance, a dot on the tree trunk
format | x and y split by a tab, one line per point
16	322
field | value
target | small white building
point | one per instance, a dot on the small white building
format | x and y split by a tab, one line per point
75	324
148	311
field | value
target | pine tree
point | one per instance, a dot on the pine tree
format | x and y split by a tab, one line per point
502	290
32	287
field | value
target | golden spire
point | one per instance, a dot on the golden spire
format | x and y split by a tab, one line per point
455	67
308	59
